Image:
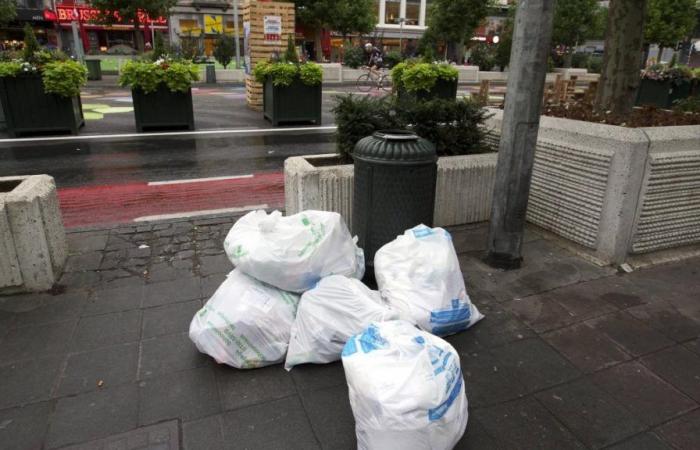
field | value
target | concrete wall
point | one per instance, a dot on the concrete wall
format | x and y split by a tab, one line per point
32	237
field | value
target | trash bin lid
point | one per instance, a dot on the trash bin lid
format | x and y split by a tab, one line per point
395	145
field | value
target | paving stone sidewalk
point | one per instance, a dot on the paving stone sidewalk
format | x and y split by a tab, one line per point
570	355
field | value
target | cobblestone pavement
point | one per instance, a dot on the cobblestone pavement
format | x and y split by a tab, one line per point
570	355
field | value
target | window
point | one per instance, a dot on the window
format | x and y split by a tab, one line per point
377	8
413	12
190	27
393	12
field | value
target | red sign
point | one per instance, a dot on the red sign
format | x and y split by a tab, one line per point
86	14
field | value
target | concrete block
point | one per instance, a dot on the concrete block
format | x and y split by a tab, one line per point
31	224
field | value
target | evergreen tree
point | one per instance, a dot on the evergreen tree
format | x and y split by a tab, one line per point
31	45
224	50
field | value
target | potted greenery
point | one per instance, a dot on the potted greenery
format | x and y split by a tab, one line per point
40	91
425	81
162	92
661	86
292	91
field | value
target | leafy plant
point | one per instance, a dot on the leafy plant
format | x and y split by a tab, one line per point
393	58
483	56
688	105
31	45
285	73
291	55
354	57
453	126
10	68
178	76
159	47
64	78
224	49
414	77
676	74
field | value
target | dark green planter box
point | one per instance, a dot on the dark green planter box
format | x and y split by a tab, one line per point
163	109
94	67
30	110
443	89
662	93
292	104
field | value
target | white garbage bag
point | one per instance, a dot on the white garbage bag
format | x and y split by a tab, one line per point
328	315
293	253
246	323
406	389
418	274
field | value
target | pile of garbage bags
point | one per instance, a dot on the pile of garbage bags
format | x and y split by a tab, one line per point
295	296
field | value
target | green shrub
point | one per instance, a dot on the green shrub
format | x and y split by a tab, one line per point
413	76
160	49
482	55
178	76
31	45
688	105
580	60
291	55
224	49
354	57
10	68
595	64
284	73
392	58
453	126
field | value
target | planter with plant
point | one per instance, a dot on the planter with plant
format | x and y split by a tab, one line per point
162	92
292	91
425	81
40	91
662	86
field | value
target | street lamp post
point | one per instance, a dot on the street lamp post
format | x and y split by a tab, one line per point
235	32
401	22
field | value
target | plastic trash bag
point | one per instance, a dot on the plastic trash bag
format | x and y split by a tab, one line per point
418	274
246	323
328	315
293	253
406	389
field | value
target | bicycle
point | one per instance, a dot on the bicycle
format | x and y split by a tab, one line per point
373	79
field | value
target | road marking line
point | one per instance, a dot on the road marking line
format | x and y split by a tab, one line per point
198	180
207	212
170	134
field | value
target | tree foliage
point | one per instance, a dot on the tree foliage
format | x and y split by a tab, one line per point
454	21
8	11
31	45
505	43
127	11
224	49
669	21
574	21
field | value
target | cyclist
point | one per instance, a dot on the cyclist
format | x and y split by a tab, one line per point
376	61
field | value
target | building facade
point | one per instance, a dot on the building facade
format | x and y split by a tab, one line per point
201	21
37	13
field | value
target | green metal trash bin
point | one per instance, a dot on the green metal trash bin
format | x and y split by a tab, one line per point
94	69
394	188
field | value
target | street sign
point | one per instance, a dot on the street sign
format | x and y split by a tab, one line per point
213	24
272	28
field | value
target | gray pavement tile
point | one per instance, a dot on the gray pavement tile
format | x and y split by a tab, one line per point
115	299
499	327
665	318
83	262
694	346
635	337
56	308
28	381
682	433
169	319
187	395
164	272
108	276
107	330
650	399
524	423
110	365
678	366
279	424
476	436
209	265
586	348
79	280
590	413
85	242
211	283
318	376
541	312
239	388
24	428
331	417
535	364
487	381
21	303
179	290
162	436
644	441
93	415
169	353
203	434
35	341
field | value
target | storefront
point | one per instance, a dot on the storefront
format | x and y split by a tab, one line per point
12	34
200	24
101	38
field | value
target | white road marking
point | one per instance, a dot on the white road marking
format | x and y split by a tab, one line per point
207	212
88	137
198	180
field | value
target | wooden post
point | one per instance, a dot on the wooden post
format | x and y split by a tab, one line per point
521	123
261	48
484	89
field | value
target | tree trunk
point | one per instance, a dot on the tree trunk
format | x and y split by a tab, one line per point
318	44
460	52
138	35
624	38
